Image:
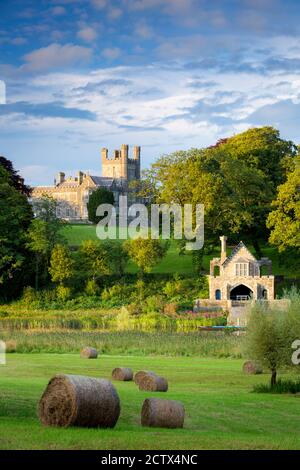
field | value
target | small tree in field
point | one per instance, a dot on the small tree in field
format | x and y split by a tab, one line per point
98	197
270	334
145	252
61	265
265	339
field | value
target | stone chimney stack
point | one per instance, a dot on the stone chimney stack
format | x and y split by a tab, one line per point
223	248
80	177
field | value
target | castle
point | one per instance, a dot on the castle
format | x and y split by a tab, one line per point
72	193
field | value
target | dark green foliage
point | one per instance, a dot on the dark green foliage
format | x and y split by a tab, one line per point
282	386
15	217
98	197
15	179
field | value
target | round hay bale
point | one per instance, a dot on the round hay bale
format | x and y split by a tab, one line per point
252	367
153	383
162	413
140	375
89	353
75	400
122	373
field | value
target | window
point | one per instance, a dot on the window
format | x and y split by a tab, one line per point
242	269
218	294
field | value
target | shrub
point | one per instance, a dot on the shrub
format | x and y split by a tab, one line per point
154	303
63	293
29	296
91	287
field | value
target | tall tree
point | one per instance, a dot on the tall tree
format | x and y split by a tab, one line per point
284	220
61	265
15	217
95	259
145	252
16	180
98	197
44	233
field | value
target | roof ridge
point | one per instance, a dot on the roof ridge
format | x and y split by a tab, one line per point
234	251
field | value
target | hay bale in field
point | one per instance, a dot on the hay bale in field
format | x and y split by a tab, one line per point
252	367
162	413
153	383
140	375
89	353
10	346
75	400
122	373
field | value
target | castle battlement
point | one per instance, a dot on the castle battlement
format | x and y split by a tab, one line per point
120	165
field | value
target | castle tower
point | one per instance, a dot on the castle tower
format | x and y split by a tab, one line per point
120	166
137	159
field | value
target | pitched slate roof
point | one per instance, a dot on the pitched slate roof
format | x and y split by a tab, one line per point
235	250
103	181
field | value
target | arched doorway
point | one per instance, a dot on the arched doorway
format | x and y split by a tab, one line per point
241	292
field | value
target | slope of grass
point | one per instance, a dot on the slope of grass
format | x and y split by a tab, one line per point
221	410
173	262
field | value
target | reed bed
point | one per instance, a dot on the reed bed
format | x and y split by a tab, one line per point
205	344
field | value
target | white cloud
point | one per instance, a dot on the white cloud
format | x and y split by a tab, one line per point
111	52
99	4
56	56
115	13
58	11
87	34
144	31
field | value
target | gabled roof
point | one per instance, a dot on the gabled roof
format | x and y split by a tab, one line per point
235	250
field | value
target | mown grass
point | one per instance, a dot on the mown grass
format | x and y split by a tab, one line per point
222	412
204	344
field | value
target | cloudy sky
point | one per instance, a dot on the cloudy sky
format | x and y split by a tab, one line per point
163	74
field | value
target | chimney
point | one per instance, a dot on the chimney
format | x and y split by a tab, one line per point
223	248
80	177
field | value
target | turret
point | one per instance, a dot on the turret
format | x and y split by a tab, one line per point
137	159
60	177
104	154
124	161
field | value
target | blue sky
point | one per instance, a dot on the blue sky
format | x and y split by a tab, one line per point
163	74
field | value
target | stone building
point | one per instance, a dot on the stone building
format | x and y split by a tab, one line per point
72	193
236	281
239	275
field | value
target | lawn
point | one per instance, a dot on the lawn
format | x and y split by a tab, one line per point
173	263
222	412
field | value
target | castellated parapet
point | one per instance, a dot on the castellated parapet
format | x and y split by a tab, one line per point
121	165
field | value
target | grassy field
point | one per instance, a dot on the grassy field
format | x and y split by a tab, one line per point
173	263
222	412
